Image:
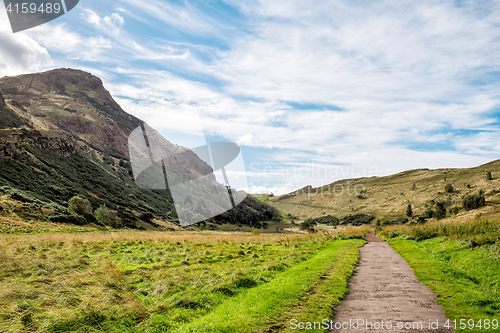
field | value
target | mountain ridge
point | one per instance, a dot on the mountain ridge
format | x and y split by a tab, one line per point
62	134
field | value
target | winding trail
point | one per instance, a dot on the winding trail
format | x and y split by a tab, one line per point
384	287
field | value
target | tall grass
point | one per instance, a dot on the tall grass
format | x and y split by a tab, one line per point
477	233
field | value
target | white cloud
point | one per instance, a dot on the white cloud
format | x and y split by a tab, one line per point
112	23
19	53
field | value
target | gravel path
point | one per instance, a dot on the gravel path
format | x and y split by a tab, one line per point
384	287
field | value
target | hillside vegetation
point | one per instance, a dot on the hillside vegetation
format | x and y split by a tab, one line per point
387	198
62	135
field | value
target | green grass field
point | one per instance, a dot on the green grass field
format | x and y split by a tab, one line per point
461	264
162	282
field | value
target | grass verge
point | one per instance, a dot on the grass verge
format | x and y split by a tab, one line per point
466	279
299	288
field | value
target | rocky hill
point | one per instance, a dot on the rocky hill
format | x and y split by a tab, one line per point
62	134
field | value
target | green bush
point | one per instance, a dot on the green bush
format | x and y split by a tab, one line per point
429	213
68	218
454	210
357	219
308	224
328	219
448	188
409	211
80	205
440	212
399	220
107	216
473	201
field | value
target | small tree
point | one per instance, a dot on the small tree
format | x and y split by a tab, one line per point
308	224
334	221
409	212
107	216
80	205
448	188
488	176
440	212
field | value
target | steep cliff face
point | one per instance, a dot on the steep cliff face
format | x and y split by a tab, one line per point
75	102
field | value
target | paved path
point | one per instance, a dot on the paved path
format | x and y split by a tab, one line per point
384	287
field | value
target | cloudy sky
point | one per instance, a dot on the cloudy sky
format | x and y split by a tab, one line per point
313	91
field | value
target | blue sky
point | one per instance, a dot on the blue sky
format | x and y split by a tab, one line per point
313	91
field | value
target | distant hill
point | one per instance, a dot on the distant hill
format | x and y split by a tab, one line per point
62	134
388	197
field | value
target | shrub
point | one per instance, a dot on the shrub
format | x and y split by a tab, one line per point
488	176
146	217
328	219
429	213
409	212
107	216
308	224
358	219
440	212
454	210
80	205
399	220
448	188
68	218
473	201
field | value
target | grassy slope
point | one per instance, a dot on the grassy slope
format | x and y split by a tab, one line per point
390	195
459	262
150	281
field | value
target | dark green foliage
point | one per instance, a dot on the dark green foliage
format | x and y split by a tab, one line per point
308	224
146	217
473	201
357	219
429	213
108	217
448	188
409	212
250	212
399	220
488	176
454	210
128	218
80	205
59	178
328	219
68	218
440	212
49	178
9	119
